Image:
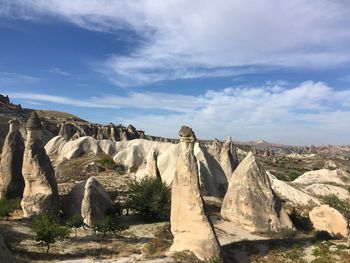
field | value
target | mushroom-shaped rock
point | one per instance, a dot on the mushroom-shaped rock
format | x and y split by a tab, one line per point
329	219
250	201
40	191
11	178
228	158
89	200
190	225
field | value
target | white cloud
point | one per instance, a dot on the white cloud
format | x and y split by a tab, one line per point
11	79
201	38
311	112
59	71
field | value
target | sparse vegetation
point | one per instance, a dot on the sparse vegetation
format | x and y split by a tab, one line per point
150	197
336	203
8	206
295	253
110	224
47	230
284	233
75	222
107	162
160	243
214	259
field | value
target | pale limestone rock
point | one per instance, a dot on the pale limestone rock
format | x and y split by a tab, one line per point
11	178
89	200
215	149
329	219
152	167
251	202
190	225
228	158
40	191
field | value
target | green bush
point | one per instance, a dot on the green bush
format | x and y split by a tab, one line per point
110	224
214	259
47	230
284	233
8	206
150	198
322	236
76	222
107	162
301	223
336	203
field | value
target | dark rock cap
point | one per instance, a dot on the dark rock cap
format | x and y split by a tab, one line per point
186	132
34	122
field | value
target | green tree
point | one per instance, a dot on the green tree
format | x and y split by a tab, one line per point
47	230
150	198
109	225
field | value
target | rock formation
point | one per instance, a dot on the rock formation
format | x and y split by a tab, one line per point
250	201
40	191
215	149
329	219
152	168
228	158
89	200
11	178
190	225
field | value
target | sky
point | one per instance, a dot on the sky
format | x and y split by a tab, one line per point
256	69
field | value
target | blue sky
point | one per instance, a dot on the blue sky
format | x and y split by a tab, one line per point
252	69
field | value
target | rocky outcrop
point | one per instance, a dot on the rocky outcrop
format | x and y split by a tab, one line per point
89	200
215	149
250	201
40	191
5	253
228	158
152	167
337	176
11	178
329	219
190	225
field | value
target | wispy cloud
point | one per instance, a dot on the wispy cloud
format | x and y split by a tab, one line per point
195	39
59	71
311	112
11	79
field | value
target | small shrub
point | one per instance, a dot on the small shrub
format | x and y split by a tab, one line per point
76	222
301	223
47	230
284	233
107	162
109	225
8	206
133	169
150	198
295	253
214	259
336	203
322	235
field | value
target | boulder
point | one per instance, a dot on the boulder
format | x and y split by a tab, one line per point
250	200
40	191
11	178
89	200
329	219
5	253
190	224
